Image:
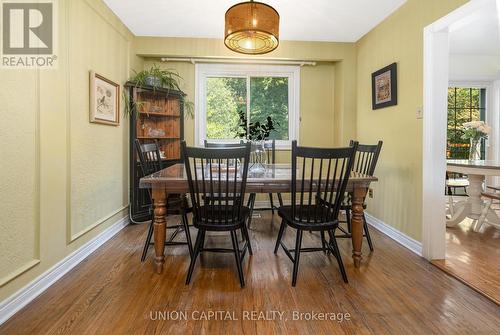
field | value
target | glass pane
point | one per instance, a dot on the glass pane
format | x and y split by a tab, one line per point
226	97
451	118
475	95
463	115
451	97
269	98
463	97
475	115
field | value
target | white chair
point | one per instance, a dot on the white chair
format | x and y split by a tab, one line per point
490	196
452	184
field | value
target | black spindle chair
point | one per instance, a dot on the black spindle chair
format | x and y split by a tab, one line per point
225	145
177	204
317	196
219	174
365	162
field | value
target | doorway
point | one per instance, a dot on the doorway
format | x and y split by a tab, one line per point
439	84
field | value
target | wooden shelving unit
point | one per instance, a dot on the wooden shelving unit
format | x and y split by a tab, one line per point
158	115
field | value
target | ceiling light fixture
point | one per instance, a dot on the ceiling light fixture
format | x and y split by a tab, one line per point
252	28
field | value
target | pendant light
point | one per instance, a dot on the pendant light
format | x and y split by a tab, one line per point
252	28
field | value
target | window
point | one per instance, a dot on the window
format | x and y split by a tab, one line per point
465	104
229	94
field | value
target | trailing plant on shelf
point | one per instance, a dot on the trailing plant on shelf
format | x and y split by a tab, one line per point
255	131
156	77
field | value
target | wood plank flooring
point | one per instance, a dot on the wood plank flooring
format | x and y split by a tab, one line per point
474	257
394	292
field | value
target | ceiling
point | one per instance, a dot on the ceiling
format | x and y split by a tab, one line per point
311	20
478	35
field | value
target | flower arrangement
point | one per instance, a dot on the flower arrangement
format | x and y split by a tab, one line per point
475	131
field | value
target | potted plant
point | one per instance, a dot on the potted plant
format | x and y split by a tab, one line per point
157	77
254	131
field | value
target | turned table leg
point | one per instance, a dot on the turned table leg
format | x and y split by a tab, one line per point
160	224
358	197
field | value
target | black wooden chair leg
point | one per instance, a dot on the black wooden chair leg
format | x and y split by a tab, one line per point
280	199
250	205
147	243
348	219
367	233
333	243
244	231
196	252
238	258
280	236
272	205
185	224
202	245
323	241
298	244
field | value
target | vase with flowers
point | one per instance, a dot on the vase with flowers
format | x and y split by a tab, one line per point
475	132
257	133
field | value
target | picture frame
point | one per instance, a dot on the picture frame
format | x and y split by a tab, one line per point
104	100
385	87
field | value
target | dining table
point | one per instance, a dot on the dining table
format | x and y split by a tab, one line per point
272	178
473	206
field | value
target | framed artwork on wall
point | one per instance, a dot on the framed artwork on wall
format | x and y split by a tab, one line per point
385	87
104	100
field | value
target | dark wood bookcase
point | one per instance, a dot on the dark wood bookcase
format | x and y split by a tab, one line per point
158	115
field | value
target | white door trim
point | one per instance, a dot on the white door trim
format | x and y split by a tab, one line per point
436	58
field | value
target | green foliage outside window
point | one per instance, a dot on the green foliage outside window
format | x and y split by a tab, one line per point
227	97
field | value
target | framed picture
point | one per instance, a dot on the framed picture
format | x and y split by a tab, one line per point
104	100
385	87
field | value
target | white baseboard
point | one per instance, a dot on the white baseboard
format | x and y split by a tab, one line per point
381	226
21	298
395	234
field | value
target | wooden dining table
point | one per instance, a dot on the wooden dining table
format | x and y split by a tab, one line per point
274	178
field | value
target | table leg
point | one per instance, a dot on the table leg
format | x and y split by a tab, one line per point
160	224
472	207
358	196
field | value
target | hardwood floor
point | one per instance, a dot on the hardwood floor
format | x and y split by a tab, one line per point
394	292
474	257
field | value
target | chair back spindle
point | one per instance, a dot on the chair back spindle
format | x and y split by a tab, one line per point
218	174
366	158
149	157
270	148
319	180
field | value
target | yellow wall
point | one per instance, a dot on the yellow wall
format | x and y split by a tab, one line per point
64	180
327	91
398	195
316	101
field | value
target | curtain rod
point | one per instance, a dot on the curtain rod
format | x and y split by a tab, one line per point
194	60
